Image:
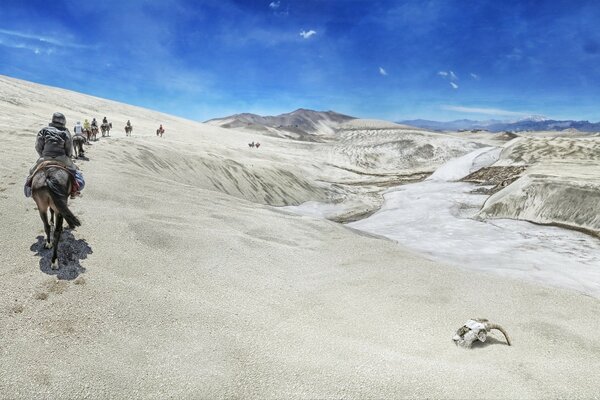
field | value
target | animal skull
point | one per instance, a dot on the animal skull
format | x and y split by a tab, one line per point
476	329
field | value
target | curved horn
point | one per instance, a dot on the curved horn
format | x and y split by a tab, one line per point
501	329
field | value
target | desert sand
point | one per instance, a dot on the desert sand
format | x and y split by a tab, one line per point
184	280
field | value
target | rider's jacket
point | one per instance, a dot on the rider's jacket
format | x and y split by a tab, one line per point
94	123
78	129
54	141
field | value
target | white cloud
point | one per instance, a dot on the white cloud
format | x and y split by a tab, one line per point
475	76
308	34
454	85
382	71
24	46
487	111
275	5
448	75
44	40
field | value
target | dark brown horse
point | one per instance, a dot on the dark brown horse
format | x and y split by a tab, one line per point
50	187
78	142
105	128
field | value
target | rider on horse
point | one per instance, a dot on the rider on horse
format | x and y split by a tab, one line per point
78	130
94	122
54	143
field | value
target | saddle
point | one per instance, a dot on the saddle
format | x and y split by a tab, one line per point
56	164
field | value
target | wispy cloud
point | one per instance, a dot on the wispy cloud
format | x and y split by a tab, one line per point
307	34
42	40
486	111
274	5
382	71
17	44
475	76
450	76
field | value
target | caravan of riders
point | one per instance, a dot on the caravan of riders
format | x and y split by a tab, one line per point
55	177
56	146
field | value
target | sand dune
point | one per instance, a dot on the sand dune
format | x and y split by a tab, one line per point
561	184
182	282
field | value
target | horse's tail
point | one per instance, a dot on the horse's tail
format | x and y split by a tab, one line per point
59	196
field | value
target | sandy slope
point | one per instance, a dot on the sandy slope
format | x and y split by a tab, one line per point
173	289
560	186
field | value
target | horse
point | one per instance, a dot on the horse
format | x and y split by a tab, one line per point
94	133
78	142
106	128
251	144
160	132
257	145
50	188
128	129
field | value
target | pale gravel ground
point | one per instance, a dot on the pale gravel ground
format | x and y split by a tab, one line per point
191	293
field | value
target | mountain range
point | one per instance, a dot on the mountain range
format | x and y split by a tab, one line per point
301	124
310	125
532	123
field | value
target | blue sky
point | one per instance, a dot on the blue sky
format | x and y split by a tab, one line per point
435	59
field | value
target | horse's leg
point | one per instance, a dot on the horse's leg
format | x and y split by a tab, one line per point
47	228
57	232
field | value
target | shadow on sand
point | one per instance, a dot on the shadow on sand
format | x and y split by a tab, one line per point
70	252
489	342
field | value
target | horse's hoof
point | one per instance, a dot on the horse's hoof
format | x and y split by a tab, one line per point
55	265
48	245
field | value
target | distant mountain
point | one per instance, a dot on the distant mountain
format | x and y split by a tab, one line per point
301	124
449	125
532	123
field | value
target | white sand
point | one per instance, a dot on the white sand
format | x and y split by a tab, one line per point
189	292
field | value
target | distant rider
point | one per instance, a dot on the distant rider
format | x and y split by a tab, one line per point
78	131
94	123
54	143
104	121
86	125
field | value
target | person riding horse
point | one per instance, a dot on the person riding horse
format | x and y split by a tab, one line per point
54	143
105	127
87	129
128	128
78	140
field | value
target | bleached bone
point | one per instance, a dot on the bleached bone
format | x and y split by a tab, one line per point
476	329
